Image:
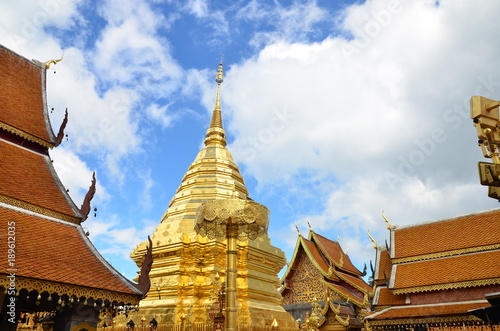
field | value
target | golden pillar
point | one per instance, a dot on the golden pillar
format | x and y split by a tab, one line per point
232	219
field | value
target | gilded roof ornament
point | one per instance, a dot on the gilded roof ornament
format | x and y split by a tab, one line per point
387	221
48	63
298	231
373	240
309	224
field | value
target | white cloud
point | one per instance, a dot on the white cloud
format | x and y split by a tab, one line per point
385	113
76	176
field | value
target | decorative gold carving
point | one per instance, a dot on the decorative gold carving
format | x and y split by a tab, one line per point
387	221
212	218
25	135
38	209
356	301
423	320
447	286
71	290
305	282
55	61
373	240
444	254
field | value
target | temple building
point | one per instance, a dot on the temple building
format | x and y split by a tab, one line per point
52	277
322	288
434	275
188	275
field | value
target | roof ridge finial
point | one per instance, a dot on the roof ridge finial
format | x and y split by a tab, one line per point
216	133
298	231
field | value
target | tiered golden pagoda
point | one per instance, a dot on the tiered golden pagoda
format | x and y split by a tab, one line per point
186	267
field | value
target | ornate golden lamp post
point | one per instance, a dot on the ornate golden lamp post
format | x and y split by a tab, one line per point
232	219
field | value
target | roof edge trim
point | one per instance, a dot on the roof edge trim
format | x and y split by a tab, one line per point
25	135
445	253
23	206
448	286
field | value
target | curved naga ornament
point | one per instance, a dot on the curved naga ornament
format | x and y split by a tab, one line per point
373	240
387	221
48	63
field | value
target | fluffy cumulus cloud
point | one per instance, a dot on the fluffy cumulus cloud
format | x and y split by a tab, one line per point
383	107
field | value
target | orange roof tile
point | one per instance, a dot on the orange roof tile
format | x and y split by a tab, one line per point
454	269
384	297
384	264
315	254
433	310
30	177
58	252
354	281
23	87
333	250
446	235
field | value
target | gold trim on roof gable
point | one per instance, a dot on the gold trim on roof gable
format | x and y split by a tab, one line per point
424	320
358	302
41	286
38	209
25	135
447	286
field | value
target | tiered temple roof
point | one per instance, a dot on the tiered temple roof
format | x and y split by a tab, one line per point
320	271
53	261
436	272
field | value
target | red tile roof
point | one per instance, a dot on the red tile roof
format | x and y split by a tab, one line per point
354	281
446	235
315	254
433	310
58	252
22	84
454	269
30	177
333	250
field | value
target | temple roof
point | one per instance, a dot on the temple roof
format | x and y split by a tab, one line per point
384	266
23	98
59	252
332	250
337	271
474	269
452	260
52	252
434	310
29	180
448	235
385	296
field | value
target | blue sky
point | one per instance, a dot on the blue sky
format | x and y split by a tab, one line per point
335	110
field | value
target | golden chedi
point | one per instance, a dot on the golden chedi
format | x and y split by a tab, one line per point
187	266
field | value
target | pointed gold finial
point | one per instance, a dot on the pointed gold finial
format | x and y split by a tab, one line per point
309	224
215	133
298	231
373	240
48	63
387	221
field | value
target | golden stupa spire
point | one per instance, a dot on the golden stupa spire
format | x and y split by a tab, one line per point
215	133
